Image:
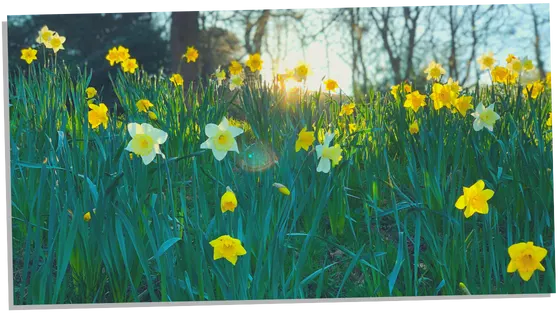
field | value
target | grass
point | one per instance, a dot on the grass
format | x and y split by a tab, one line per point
381	223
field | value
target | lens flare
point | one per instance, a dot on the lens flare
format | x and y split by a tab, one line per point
257	157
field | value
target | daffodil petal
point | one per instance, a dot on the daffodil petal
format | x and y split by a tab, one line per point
211	130
460	204
526	275
158	135
147	159
219	155
512	267
234	147
540	253
516	249
134	129
324	165
235	131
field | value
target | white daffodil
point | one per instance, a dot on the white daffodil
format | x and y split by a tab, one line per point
145	141
327	154
485	117
220	75
221	139
235	82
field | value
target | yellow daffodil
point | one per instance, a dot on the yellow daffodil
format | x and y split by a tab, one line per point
499	74
220	75
527	64
454	86
122	54
177	79
415	100
28	54
352	127
55	42
152	116
129	65
113	56
305	140
395	90
463	104
549	120
191	55
487	61
44	35
144	105
442	95
515	65
414	128
98	115
255	62
227	247
474	199
91	92
548	80
87	216
235	68
282	189
525	259
301	72
229	201
535	89
434	71
347	109
331	85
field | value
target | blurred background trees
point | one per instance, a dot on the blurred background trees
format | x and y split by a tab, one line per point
378	46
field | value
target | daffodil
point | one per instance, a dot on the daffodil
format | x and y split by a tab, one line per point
529	77
414	128
235	82
415	100
229	201
113	56
525	259
331	85
91	92
220	75
500	74
527	64
221	139
328	155
485	117
511	58
305	139
122	54
434	71
535	89
28	54
176	79
549	120
255	62
235	68
282	189
144	105
152	116
55	42
191	55
352	127
129	65
227	247
454	86
463	104
442	95
145	141
548	80
474	199
515	65
301	72
87	216
487	61
44	35
347	109
98	115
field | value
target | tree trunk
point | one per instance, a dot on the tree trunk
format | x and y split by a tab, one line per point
184	33
538	53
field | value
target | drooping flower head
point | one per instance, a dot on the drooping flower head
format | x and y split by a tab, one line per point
485	117
305	139
176	79
434	71
144	105
44	35
347	109
227	247
28	54
414	128
463	104
152	116
255	62
191	55
229	201
331	85
474	199
415	100
235	68
328	155
282	189
129	65
98	115
525	259
55	42
487	61
91	92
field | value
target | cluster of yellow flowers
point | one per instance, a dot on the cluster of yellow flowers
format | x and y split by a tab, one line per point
121	55
49	38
